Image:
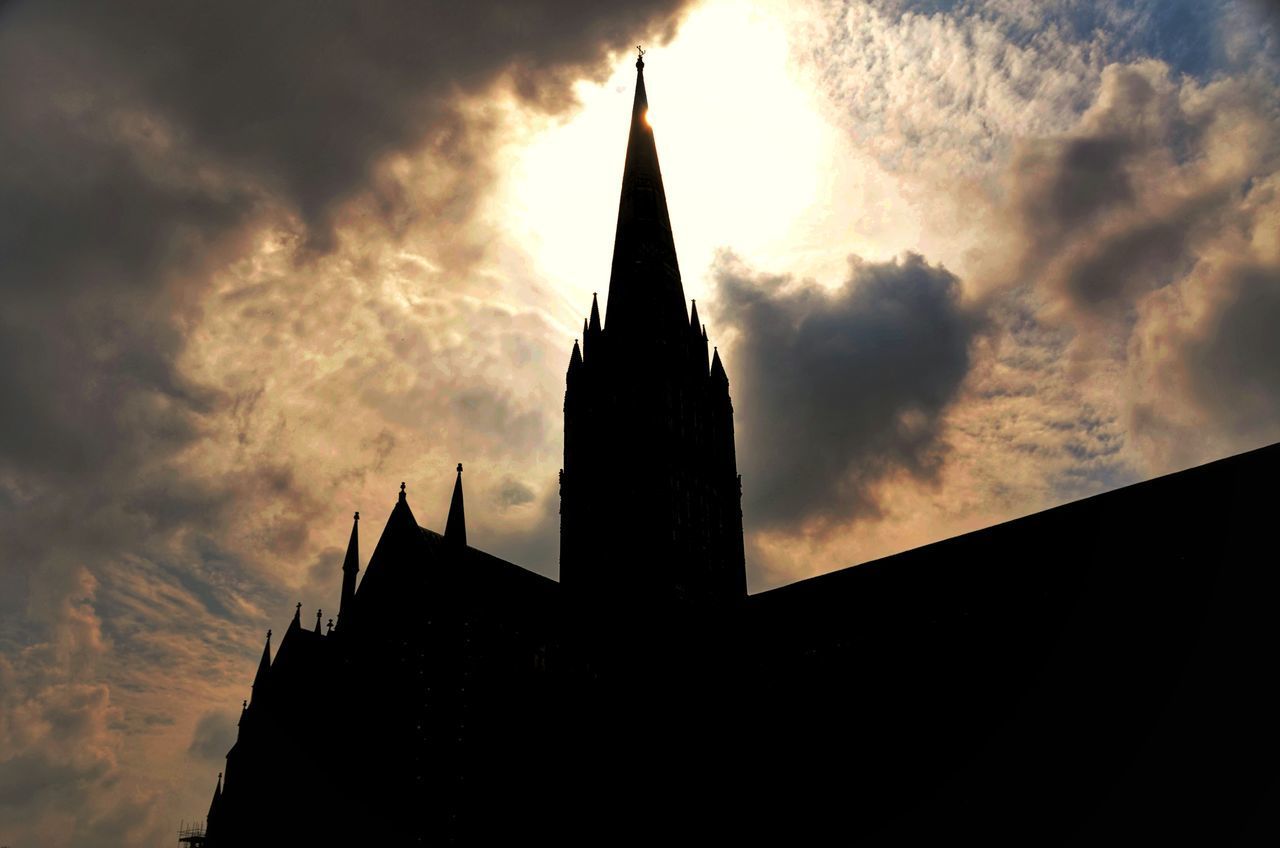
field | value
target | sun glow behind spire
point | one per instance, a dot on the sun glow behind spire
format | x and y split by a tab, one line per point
740	137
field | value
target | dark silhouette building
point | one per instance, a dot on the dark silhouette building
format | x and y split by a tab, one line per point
648	424
1094	673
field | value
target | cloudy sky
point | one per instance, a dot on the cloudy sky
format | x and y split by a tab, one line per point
259	264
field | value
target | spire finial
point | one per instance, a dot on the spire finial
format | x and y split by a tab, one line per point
639	58
329	628
459	467
357	516
317	622
402	492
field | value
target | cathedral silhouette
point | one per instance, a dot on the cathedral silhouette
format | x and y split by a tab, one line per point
1096	672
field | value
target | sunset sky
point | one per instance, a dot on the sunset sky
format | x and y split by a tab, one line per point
260	263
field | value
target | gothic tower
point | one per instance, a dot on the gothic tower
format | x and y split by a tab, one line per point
650	498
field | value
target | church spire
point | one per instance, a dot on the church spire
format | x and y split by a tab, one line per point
645	293
264	666
350	568
455	528
591	329
217	801
718	375
699	336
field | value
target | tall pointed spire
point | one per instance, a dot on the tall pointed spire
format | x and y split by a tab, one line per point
350	568
455	528
645	293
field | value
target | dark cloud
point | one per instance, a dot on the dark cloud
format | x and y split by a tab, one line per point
1147	233
1065	183
836	390
513	493
529	535
140	139
1212	344
1236	366
214	734
1125	203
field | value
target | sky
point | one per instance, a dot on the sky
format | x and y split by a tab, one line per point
259	264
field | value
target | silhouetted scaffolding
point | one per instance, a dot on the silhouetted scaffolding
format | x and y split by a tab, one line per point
191	834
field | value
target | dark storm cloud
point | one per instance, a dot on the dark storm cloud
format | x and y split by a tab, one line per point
138	138
838	390
307	97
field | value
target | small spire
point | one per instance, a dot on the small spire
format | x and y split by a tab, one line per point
639	58
217	798
699	335
455	527
297	615
718	374
317	622
350	568
329	627
575	358
591	329
402	493
595	313
264	666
